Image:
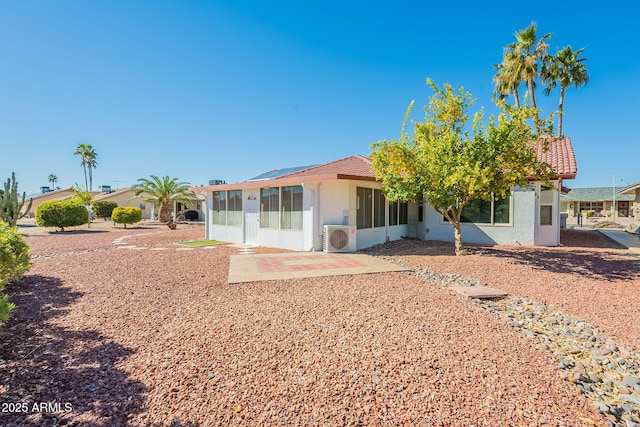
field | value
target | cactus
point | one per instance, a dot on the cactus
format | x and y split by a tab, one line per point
10	205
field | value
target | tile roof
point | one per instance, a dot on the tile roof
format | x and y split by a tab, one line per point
560	156
356	165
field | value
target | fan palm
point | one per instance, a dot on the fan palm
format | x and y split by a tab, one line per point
163	192
527	54
88	161
53	179
564	69
507	79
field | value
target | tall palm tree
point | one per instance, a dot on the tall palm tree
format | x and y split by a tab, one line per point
88	161
528	53
163	192
507	78
53	179
564	69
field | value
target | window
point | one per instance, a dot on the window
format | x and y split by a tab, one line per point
219	208
234	213
546	206
269	205
364	207
378	208
398	213
479	211
370	208
291	218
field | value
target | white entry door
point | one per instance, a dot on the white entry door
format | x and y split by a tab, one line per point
251	216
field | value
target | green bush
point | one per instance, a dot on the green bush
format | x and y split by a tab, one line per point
126	215
61	214
589	213
104	208
14	261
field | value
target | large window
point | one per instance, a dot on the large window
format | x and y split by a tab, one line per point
291	218
219	215
483	212
370	208
269	205
234	214
398	213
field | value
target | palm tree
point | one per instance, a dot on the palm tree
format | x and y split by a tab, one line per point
88	156
163	192
507	79
564	69
53	179
528	53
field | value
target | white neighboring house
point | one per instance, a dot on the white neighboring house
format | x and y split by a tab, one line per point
289	208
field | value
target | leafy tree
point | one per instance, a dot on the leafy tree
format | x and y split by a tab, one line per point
53	179
163	192
14	261
88	162
61	214
104	208
447	166
11	207
565	69
126	215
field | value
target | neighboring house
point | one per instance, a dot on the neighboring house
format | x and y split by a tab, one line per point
289	208
126	197
45	195
634	191
123	197
597	199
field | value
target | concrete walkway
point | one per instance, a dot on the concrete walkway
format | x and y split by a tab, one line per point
629	240
256	267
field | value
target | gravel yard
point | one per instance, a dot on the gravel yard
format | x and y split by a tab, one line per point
151	335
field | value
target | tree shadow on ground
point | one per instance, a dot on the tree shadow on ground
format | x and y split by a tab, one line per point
597	265
73	372
584	253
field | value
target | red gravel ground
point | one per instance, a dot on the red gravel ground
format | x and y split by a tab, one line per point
157	337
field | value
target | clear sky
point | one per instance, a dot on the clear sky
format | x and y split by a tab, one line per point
202	90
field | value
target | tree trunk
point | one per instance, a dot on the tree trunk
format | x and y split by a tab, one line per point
458	236
516	96
86	184
560	112
536	119
165	212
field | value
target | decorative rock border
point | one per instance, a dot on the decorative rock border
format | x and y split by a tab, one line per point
608	374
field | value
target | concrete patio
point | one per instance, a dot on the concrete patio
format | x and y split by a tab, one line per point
257	267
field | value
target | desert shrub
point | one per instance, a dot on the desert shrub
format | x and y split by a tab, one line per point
14	261
104	208
126	215
589	213
61	214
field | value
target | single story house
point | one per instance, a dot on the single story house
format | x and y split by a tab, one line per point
634	191
300	208
601	200
122	196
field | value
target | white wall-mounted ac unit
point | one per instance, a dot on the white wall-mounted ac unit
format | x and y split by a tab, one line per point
339	238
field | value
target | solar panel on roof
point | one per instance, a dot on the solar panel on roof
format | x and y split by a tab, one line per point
278	173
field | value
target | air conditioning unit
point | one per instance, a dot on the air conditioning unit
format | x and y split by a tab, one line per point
339	238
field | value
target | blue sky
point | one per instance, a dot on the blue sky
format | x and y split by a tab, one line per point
203	90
